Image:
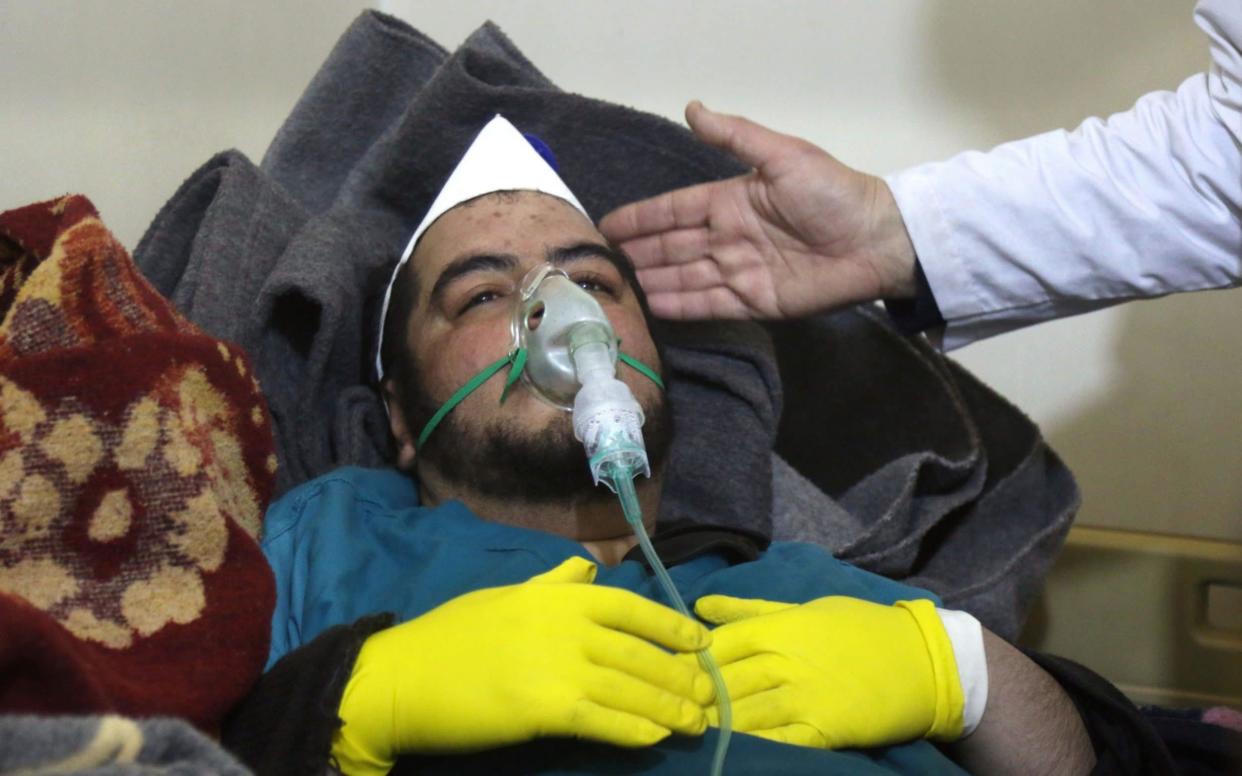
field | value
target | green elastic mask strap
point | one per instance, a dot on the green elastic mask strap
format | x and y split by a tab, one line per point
516	362
641	368
515	371
517	358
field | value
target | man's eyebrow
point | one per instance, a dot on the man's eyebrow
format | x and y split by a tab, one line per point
464	265
589	250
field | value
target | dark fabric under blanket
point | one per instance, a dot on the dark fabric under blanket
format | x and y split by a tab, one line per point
289	260
243	259
941	482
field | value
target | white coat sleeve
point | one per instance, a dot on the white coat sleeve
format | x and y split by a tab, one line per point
1145	203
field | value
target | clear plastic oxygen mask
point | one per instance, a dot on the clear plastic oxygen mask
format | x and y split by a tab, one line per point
571	363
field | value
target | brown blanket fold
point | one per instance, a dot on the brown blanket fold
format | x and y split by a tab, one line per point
136	461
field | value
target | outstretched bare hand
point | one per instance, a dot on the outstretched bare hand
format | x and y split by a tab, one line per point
801	233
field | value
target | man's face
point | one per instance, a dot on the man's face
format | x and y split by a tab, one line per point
469	266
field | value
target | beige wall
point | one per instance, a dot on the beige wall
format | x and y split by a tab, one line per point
121	100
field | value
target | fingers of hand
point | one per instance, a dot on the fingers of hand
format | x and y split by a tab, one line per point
674	246
681	208
718	302
620	691
760	687
697	276
745	640
575	569
761	711
759	691
755	675
633	656
630	613
599	723
721	609
753	144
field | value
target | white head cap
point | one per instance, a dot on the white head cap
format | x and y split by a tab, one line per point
499	159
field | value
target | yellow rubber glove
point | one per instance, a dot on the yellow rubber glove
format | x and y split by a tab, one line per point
553	656
836	672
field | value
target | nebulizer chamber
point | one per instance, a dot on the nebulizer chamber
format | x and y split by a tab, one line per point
571	362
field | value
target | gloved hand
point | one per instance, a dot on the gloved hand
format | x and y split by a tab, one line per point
553	656
836	672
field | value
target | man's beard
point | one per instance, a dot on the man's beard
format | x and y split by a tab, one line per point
500	460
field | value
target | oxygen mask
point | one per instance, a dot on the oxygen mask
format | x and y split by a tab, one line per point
571	354
551	314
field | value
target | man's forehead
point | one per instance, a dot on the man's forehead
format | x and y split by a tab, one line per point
498	222
516	204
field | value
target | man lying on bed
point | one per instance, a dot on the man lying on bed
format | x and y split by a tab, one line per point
529	636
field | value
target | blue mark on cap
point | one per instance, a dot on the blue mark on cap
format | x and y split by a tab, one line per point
542	149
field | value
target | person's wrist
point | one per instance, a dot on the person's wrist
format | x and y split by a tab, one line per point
353	758
890	243
946	700
361	745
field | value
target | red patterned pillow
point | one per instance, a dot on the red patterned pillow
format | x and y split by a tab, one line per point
136	461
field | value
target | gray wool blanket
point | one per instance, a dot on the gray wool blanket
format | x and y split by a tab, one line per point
109	746
835	430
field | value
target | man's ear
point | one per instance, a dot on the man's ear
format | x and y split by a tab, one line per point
401	431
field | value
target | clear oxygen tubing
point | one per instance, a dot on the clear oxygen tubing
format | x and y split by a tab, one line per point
620	477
